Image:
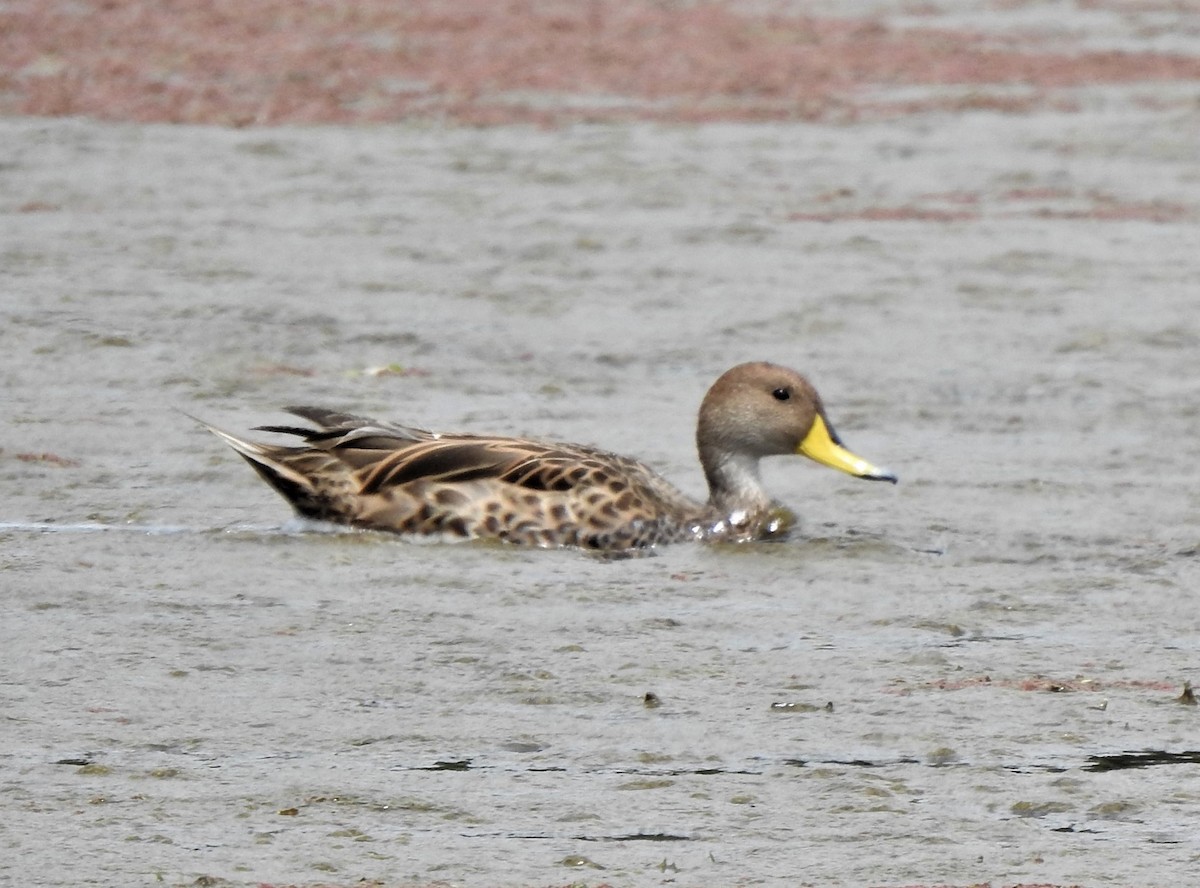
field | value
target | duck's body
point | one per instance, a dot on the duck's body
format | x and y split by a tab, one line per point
385	476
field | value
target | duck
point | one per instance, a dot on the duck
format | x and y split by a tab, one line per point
385	476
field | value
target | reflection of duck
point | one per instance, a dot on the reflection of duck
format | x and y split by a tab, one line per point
391	477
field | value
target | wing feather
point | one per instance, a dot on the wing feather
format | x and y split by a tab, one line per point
445	460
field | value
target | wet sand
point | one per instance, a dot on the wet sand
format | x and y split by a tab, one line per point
970	678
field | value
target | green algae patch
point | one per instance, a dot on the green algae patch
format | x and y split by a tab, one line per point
1039	809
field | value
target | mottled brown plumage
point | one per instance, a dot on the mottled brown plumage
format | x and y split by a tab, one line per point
386	476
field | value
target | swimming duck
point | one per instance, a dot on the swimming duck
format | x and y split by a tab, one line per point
384	476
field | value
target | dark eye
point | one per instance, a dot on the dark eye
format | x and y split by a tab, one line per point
781	394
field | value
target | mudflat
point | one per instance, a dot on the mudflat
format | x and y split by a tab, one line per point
977	676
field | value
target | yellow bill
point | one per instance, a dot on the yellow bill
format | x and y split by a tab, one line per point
822	445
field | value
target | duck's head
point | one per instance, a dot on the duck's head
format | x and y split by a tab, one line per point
760	409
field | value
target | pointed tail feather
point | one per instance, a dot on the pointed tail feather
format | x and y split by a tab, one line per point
265	459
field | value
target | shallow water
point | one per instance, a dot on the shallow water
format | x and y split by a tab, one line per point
918	688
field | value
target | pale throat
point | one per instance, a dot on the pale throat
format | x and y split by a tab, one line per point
734	483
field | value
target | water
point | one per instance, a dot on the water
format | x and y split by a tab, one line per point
913	690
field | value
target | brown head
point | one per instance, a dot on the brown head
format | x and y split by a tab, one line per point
761	409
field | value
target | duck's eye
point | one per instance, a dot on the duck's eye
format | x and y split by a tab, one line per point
781	394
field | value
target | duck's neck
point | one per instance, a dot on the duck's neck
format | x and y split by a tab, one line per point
734	484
